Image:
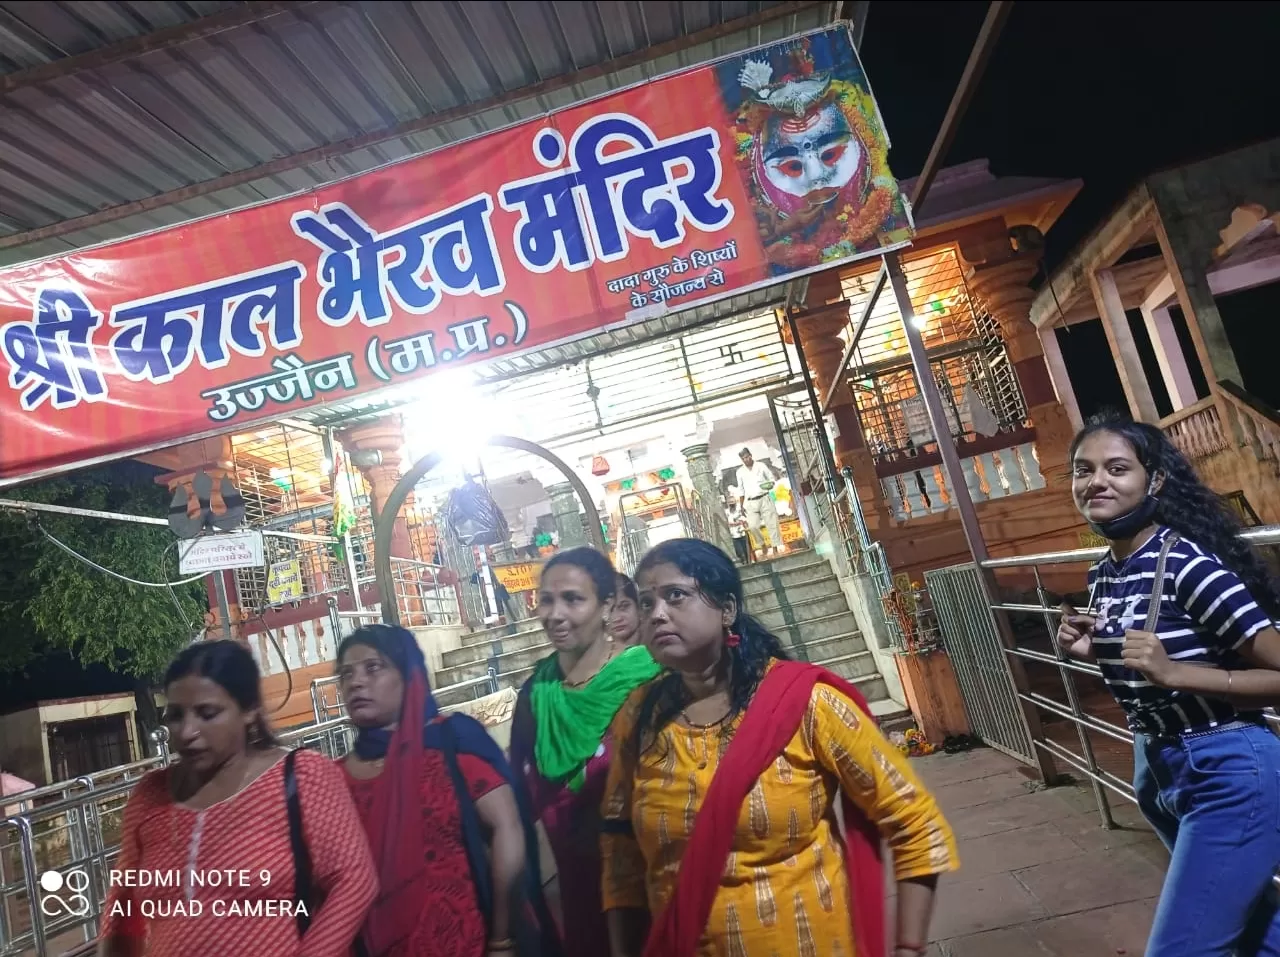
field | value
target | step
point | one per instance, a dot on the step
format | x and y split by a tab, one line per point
481	651
848	664
507	662
890	715
824	649
813	569
812	629
828	588
802	610
488	634
764	587
803	557
872	686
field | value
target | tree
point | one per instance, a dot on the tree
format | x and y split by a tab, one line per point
52	600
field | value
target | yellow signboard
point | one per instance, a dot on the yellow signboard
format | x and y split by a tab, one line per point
522	576
284	582
792	531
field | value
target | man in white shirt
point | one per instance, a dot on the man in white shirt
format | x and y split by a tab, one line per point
755	485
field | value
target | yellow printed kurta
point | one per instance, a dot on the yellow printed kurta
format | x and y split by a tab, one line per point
784	890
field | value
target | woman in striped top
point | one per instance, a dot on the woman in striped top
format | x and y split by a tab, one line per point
1192	659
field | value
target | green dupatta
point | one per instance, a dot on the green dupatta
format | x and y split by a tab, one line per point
570	723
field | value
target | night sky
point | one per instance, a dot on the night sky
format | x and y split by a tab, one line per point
1104	92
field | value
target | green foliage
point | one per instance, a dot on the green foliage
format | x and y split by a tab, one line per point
49	599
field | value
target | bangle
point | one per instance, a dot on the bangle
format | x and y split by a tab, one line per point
505	945
917	949
1228	682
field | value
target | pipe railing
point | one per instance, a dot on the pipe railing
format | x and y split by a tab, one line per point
1074	710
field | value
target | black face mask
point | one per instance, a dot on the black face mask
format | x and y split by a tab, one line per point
1130	523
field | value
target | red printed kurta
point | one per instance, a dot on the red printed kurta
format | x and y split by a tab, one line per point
451	924
208	907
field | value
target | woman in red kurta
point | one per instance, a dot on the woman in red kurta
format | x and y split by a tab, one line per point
213	830
456	857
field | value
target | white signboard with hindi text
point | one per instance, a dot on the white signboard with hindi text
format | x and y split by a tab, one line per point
217	552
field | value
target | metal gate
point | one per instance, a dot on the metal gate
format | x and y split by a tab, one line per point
979	658
798	439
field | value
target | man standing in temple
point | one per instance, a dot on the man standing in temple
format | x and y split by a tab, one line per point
755	487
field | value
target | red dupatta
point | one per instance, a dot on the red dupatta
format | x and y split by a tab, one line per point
394	827
771	720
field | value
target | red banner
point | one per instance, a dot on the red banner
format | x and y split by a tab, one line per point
706	183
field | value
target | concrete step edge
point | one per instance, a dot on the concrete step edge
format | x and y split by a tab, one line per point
832	639
754	575
798	604
840	659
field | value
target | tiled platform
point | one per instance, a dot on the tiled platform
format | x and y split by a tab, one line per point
1039	875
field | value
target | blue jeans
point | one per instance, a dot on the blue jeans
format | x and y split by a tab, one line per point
1214	799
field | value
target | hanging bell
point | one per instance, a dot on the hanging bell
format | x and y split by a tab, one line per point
599	465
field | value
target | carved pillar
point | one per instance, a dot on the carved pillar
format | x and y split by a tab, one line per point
702	473
1003	288
820	330
376	449
568	517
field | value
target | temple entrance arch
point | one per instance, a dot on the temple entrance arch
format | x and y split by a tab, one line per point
386	520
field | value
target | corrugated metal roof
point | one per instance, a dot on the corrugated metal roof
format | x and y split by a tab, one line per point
305	76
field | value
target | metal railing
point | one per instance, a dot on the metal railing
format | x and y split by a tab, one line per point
1085	709
420	595
634	530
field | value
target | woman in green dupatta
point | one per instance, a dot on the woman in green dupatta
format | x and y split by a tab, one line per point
560	746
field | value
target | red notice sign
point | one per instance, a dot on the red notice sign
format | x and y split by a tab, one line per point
705	183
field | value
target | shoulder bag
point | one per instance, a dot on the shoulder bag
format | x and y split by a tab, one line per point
303	892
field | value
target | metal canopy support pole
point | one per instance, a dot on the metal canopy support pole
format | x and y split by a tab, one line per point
17	505
959	488
858	328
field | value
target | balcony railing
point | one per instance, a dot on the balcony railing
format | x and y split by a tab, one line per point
913	490
1230	418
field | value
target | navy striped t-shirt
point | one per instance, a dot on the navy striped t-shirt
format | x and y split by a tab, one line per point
1206	614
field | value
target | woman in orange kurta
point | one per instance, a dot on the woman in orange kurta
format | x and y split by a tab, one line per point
784	881
215	828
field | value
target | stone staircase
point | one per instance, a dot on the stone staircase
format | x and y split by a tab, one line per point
797	597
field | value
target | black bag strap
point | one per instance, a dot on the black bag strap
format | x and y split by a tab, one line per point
298	844
1157	587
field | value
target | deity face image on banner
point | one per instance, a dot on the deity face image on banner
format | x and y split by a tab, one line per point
812	150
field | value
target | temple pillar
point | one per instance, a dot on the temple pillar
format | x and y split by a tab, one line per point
376	449
820	330
702	474
1002	286
567	515
215	457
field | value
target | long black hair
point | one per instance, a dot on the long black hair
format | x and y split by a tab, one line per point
719	584
1195	512
230	666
